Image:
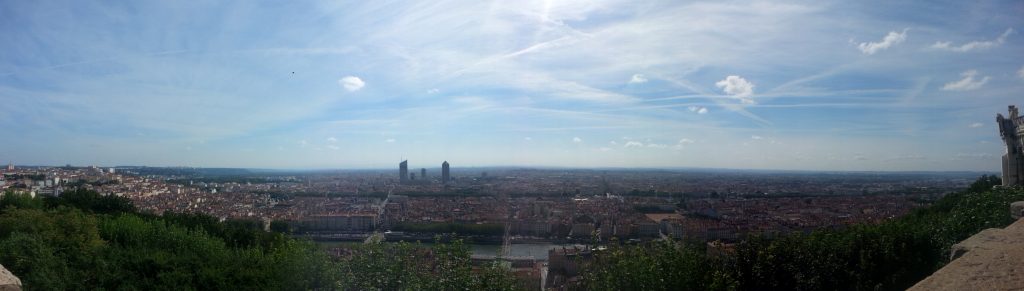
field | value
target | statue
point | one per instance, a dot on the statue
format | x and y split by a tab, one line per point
1011	130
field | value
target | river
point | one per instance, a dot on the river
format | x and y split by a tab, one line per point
536	250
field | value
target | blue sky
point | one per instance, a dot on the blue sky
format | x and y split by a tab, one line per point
816	85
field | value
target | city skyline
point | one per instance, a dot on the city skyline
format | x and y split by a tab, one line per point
578	84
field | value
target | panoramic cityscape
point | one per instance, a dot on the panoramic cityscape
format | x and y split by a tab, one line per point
527	145
539	215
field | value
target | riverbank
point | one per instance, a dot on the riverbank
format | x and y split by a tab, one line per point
538	251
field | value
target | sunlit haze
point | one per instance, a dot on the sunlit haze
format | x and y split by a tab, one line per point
816	85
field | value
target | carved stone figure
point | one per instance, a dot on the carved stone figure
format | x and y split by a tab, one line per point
1011	130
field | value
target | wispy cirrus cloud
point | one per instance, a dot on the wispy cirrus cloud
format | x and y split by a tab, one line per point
637	79
698	109
633	144
974	45
485	74
966	156
967	83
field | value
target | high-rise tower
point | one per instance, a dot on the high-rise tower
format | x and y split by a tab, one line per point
403	171
445	175
423	173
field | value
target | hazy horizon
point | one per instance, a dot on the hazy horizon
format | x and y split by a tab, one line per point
818	86
434	168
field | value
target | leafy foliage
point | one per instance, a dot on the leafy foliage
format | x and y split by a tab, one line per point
20	200
985	183
408	266
663	265
91	201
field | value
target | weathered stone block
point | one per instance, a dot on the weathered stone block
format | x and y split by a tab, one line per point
1017	209
8	282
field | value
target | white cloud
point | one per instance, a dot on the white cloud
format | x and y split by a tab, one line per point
433	91
891	39
333	147
737	87
390	140
1021	72
967	83
351	83
974	45
685	141
303	143
656	145
528	138
612	142
631	144
976	125
756	137
638	79
604	149
332	139
698	109
577	140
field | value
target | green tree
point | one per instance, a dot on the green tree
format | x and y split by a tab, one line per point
985	183
35	262
19	200
91	201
